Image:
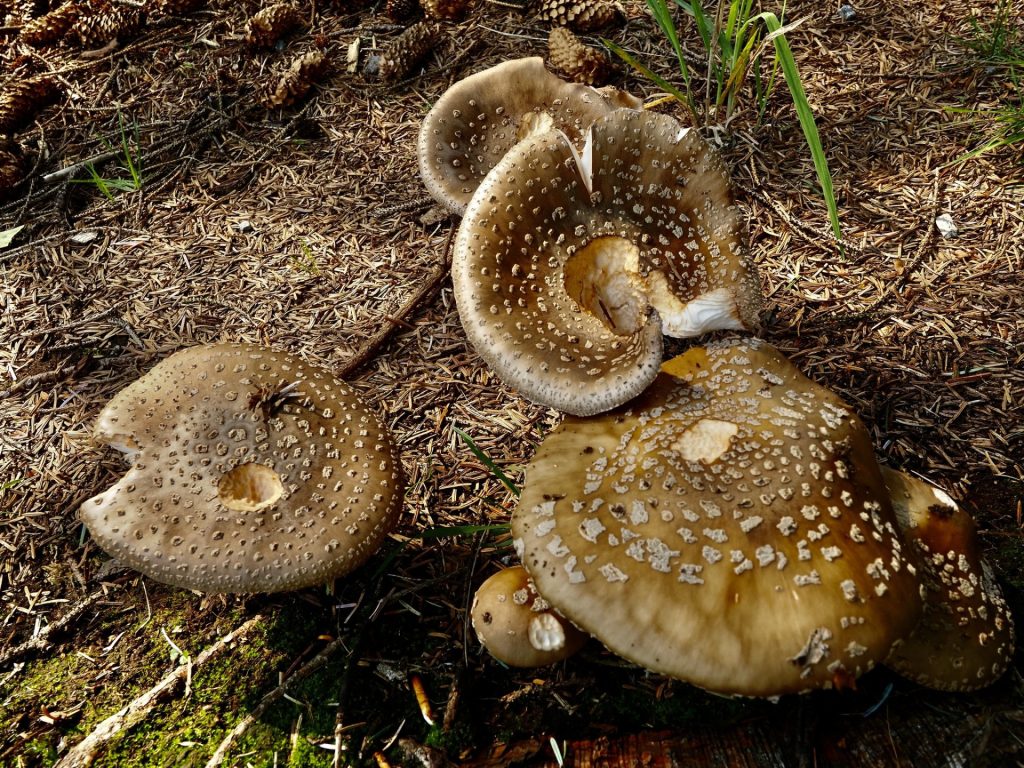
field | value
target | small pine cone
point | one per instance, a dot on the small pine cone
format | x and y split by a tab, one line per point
447	10
104	22
25	99
271	24
305	72
580	15
49	29
404	53
176	7
577	61
13	165
400	10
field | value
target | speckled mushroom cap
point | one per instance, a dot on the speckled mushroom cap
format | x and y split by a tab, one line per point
477	120
729	527
252	471
517	626
568	268
965	639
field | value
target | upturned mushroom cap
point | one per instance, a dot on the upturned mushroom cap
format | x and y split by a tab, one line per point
965	639
729	527
568	268
252	471
517	626
480	118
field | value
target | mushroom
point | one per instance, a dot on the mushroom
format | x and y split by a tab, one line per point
252	471
568	268
729	527
477	120
517	626
965	639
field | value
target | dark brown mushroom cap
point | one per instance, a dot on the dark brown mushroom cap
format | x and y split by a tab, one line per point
477	120
567	269
729	527
965	639
252	471
517	626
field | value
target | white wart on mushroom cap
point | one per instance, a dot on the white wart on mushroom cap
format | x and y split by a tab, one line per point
568	268
965	639
517	626
252	471
480	118
729	527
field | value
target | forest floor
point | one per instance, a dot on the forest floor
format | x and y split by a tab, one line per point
303	229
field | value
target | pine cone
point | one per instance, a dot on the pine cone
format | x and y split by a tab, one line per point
580	15
271	24
49	29
448	10
301	76
577	61
400	10
13	165
103	22
404	53
25	99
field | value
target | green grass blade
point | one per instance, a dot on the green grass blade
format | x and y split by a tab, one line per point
487	462
805	116
657	79
659	9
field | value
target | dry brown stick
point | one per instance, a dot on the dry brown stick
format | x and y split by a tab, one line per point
37	378
41	640
85	752
267	701
372	344
74	323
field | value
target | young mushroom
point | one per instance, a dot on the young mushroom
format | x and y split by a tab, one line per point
477	120
568	267
252	471
517	626
965	639
729	527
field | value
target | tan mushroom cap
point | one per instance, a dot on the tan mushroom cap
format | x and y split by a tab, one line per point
477	120
729	527
252	471
517	626
965	639
568	269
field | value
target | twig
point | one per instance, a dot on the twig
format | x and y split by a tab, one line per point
36	378
267	701
41	641
372	344
70	170
86	751
74	323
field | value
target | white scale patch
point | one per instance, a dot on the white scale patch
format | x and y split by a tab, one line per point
638	513
717	535
711	554
805	579
688	573
750	523
591	528
612	573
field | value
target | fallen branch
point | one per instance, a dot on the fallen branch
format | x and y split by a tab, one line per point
87	750
243	725
372	344
41	641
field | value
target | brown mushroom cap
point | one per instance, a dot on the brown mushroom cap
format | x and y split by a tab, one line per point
567	269
252	471
965	639
729	527
517	626
477	120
